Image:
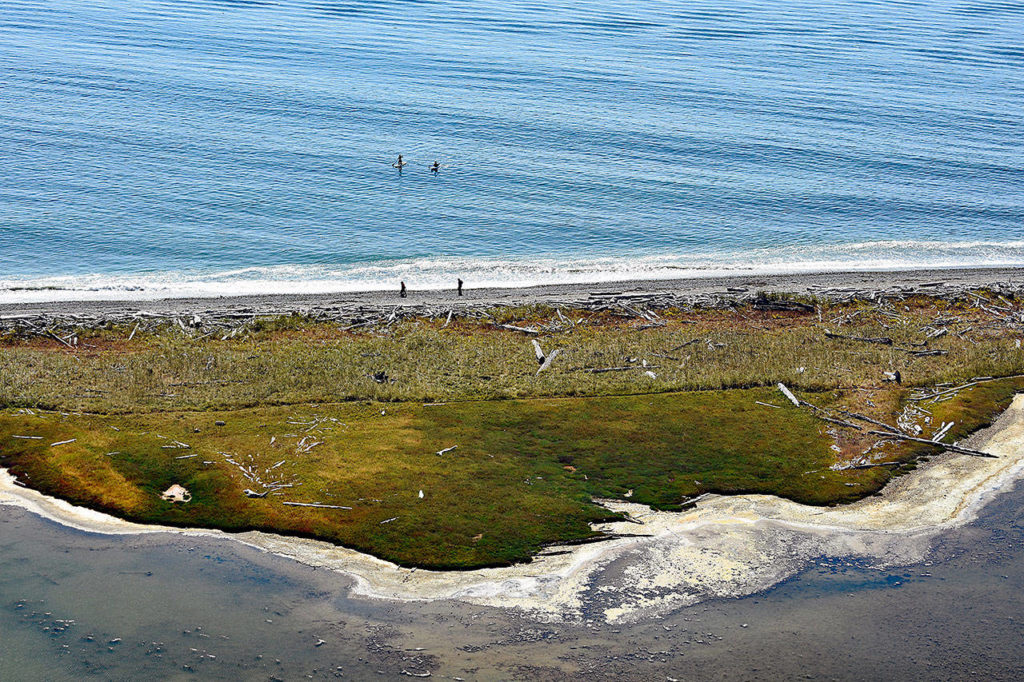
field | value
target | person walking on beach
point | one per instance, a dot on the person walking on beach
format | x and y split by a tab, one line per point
402	293
460	287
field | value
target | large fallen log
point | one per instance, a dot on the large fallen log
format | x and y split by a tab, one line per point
316	505
538	351
513	328
884	340
594	538
548	360
765	303
945	446
789	394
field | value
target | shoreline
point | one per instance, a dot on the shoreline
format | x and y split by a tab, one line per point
709	291
728	546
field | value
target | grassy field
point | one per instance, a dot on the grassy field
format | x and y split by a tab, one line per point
293	360
313	414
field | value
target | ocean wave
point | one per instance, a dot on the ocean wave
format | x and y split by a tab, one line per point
437	273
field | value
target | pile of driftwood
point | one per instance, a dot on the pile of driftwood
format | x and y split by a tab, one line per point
226	321
905	429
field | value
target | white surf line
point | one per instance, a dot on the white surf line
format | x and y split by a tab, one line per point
727	546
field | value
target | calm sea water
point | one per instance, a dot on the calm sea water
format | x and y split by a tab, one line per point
172	147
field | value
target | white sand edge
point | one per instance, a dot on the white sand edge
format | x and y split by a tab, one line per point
727	546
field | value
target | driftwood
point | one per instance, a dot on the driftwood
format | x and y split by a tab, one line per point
938	435
946	446
875	465
683	345
538	351
604	537
789	394
893	432
602	370
548	360
60	339
315	505
946	392
884	340
513	328
446	450
765	303
225	322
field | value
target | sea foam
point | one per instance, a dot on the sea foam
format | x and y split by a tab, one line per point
432	274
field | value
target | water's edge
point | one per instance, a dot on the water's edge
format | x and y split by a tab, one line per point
727	546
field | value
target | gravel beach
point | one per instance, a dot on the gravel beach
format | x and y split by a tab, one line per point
834	285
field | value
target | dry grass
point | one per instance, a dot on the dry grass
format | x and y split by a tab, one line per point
295	360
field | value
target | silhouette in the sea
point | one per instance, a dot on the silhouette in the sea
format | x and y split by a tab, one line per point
460	287
398	164
402	293
435	168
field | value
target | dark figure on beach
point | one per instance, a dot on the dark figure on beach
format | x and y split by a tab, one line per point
398	164
460	287
436	167
402	292
897	377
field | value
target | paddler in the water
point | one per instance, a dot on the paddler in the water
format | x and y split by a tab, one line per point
436	167
398	164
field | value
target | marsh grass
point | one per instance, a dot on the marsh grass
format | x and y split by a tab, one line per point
523	472
533	452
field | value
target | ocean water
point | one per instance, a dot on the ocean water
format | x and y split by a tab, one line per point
204	147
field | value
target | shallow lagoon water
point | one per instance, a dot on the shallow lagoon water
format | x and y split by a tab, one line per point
225	611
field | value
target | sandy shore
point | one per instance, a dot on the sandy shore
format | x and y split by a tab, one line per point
726	546
838	285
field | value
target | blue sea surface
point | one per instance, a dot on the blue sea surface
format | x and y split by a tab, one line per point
205	147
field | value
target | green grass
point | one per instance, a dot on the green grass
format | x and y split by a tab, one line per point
524	472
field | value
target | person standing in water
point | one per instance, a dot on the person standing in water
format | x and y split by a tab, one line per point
398	164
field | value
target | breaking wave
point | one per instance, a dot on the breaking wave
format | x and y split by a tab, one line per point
441	273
